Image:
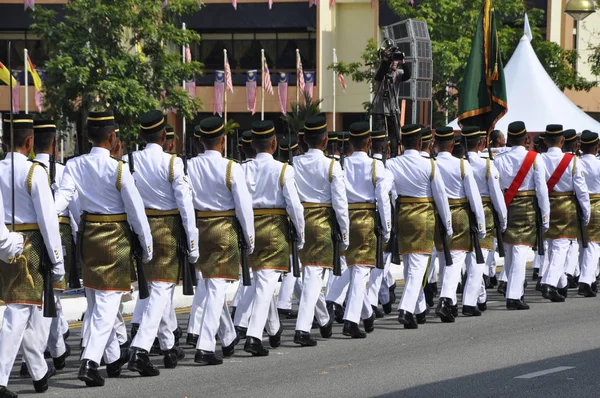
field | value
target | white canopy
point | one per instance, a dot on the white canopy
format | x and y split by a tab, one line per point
534	98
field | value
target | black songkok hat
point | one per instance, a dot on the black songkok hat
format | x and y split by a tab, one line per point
152	122
263	129
315	125
211	127
101	119
44	126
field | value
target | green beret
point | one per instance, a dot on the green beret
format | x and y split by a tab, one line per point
378	135
516	129
332	135
588	137
426	134
44	126
359	129
21	121
570	135
554	129
315	125
444	133
247	137
409	129
212	127
152	122
286	143
470	132
262	129
101	119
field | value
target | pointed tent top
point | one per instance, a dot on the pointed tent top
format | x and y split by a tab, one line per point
527	27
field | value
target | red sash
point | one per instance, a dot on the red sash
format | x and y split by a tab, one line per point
560	170
510	193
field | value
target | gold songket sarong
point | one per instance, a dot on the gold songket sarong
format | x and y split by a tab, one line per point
68	246
169	246
318	246
461	239
22	280
490	233
271	248
106	252
363	241
593	228
521	225
416	224
563	216
219	254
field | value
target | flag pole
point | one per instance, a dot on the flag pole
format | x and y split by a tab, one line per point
335	60
183	85
297	77
26	71
225	96
262	101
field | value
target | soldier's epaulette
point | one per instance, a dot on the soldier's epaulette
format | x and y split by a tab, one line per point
237	161
38	162
247	160
381	160
426	156
118	160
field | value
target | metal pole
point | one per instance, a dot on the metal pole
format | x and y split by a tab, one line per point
262	101
183	85
335	59
225	98
26	72
297	77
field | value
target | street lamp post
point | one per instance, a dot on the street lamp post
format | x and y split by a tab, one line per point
579	10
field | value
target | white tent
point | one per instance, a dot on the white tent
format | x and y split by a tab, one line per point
534	98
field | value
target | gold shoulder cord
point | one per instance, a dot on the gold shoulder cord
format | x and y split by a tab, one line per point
462	169
432	169
228	175
574	165
374	173
30	177
282	175
172	168
331	170
487	169
119	175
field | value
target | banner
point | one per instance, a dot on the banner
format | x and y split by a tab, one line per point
219	93
282	89
251	90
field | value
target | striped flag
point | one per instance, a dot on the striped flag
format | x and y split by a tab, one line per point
340	76
16	91
228	81
188	54
299	72
234	3
29	4
266	78
251	90
5	75
270	4
309	78
219	93
37	82
282	90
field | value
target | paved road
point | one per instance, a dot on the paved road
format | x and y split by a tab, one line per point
499	354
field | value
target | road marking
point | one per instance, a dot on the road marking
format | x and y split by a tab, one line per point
545	372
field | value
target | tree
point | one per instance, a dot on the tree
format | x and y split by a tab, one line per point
122	54
451	27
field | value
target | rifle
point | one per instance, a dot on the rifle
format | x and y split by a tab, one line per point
49	303
243	246
379	261
189	275
292	228
137	247
473	228
442	229
581	224
497	227
336	235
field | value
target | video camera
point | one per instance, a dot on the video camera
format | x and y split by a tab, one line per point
389	52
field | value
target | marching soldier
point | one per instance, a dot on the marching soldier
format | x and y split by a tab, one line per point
112	204
522	178
223	217
169	145
35	218
322	190
368	187
463	197
162	184
275	198
421	193
567	189
333	149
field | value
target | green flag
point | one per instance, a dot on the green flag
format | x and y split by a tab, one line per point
482	98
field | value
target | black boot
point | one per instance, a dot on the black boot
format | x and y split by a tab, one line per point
327	329
6	393
585	290
595	287
572	282
493	282
351	329
191	339
563	291
429	296
177	333
387	307
502	288
204	358
482	306
550	293
369	323
304	339
536	274
339	312
444	310
378	313
469	310
516	305
89	373
114	369
241	332
134	329
275	340
42	384
454	310
538	285
229	350
155	349
139	361
255	347
407	319
60	362
173	356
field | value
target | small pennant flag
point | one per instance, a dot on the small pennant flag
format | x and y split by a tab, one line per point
16	92
251	90
188	54
266	78
340	76
282	90
219	92
190	87
309	79
228	80
270	4
29	4
234	3
299	72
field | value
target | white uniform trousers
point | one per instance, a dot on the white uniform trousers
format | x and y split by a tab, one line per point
555	274
475	272
155	319
572	265
264	311
541	262
337	286
589	262
312	301
244	306
22	325
415	272
215	317
490	261
387	281
196	311
450	275
238	292
515	263
138	311
434	267
376	280
358	306
103	307
482	296
290	285
56	342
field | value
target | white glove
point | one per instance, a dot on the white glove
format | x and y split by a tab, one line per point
481	234
58	272
18	243
344	246
193	256
300	244
250	249
386	237
146	258
449	232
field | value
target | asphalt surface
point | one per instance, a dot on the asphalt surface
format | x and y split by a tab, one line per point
496	355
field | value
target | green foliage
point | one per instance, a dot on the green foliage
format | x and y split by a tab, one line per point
594	60
95	62
302	111
231	126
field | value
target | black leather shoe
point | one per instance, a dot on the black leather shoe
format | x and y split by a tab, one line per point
585	290
493	282
482	306
339	312
155	349
595	287
444	311
454	310
241	332
536	274
422	317
304	339
563	291
573	282
516	305
288	314
255	347
429	296
192	339
24	371
469	310
139	361
204	358
61	361
177	333
89	373
538	285
353	330
369	323
134	329
502	288
327	329
229	350
6	393
275	340
42	384
378	313
114	369
550	293
173	356
407	319
387	307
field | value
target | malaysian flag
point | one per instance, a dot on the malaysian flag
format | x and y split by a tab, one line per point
270	4
299	72
188	54
340	76
251	90
29	4
219	93
266	78
234	3
228	81
309	78
282	89
16	91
